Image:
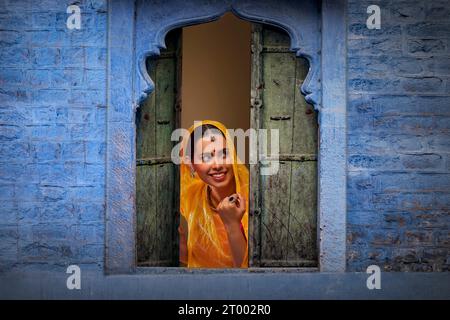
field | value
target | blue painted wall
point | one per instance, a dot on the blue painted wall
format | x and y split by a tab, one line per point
399	137
53	133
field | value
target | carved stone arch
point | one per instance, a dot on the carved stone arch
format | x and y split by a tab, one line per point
137	29
299	19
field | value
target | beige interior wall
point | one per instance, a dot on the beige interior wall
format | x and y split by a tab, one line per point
216	72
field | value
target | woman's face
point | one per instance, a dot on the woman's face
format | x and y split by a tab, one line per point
212	160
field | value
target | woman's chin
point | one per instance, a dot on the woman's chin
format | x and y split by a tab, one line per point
219	184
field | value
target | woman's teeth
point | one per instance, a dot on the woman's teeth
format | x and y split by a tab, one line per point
218	176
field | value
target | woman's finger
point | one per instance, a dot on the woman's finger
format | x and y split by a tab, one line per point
232	198
238	200
241	200
225	203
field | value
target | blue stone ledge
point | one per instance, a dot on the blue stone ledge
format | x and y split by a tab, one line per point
226	285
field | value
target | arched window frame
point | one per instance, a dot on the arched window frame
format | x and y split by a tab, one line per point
137	30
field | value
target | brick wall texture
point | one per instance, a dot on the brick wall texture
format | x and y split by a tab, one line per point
53	136
399	137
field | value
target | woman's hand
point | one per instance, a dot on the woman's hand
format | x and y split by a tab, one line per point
231	210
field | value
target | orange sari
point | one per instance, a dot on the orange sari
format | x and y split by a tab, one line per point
207	240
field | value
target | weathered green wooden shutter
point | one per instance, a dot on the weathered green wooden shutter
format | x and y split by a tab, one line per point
156	175
283	206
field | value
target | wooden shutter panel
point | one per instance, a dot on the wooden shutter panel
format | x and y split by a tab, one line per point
156	175
284	209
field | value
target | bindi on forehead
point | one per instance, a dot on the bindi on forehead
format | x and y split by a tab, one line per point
210	143
213	139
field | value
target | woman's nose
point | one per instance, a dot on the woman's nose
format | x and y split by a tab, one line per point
217	162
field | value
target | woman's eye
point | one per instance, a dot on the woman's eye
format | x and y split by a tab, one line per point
224	153
206	157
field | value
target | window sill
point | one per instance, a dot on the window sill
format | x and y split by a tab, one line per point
180	270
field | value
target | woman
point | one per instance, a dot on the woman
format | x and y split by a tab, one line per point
213	200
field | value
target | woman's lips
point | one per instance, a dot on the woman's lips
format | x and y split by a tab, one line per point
219	177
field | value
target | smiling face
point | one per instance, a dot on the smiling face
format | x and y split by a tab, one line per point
212	161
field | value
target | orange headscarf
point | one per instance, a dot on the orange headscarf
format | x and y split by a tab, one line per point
207	240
